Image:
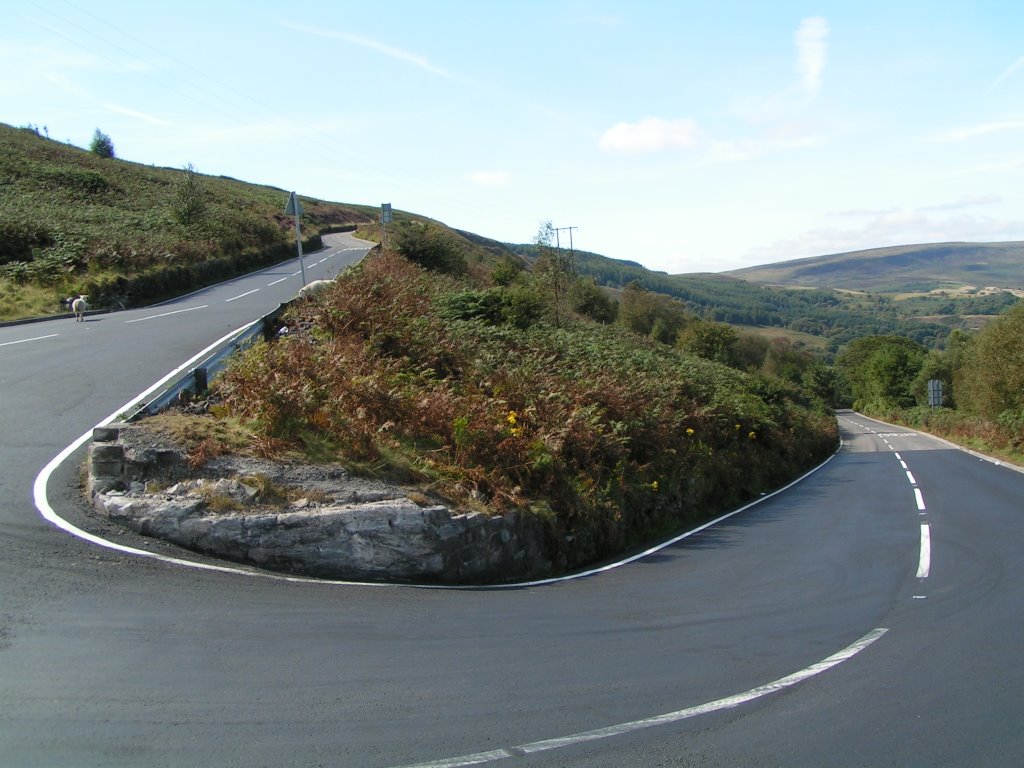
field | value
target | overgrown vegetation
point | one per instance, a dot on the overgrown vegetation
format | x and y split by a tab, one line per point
610	437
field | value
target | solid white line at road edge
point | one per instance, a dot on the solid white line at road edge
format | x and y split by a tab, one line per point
39	487
43	505
728	702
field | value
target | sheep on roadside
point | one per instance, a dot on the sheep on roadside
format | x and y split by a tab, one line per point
78	306
315	287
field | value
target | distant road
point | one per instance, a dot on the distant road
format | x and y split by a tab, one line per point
870	615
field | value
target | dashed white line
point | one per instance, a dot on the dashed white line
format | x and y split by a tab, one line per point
166	314
925	564
277	281
910	477
919	497
728	702
25	341
242	295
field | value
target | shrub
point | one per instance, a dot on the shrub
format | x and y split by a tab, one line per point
101	145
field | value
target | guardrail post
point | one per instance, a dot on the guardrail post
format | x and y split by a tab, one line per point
202	383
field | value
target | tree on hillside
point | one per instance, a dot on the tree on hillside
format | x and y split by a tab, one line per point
652	314
710	340
881	371
101	144
554	266
429	246
189	198
990	381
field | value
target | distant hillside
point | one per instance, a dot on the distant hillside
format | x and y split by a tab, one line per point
901	269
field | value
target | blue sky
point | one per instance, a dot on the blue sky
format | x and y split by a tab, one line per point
687	136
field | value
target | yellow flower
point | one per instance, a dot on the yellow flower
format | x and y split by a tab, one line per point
654	486
511	418
737	426
516	431
752	435
689	430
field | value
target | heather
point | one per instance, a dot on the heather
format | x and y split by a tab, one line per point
470	395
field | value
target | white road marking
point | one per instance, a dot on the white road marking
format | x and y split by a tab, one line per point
25	341
242	295
166	314
910	477
920	498
898	457
925	564
277	281
729	702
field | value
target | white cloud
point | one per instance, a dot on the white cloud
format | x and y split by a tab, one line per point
811	52
488	178
652	134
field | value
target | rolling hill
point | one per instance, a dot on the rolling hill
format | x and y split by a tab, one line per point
901	269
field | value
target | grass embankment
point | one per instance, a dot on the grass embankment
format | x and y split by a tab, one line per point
73	222
610	437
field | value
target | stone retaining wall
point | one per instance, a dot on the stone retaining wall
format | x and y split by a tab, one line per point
356	529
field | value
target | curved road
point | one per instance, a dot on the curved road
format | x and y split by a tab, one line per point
870	615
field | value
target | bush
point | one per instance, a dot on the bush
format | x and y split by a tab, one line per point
101	145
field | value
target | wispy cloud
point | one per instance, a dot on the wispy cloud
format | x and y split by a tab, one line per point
488	178
1007	72
374	45
652	134
981	129
967	201
811	52
738	150
133	113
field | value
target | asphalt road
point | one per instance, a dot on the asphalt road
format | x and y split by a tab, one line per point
864	617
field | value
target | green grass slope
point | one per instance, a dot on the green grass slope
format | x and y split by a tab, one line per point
71	221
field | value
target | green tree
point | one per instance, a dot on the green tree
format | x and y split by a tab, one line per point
881	371
429	246
587	298
712	341
189	198
101	144
554	267
990	379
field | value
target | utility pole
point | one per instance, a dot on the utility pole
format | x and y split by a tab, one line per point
562	268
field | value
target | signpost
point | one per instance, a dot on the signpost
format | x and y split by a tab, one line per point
294	208
385	219
935	393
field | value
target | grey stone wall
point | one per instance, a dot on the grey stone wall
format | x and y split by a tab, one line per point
357	530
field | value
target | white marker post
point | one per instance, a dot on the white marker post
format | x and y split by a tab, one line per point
294	207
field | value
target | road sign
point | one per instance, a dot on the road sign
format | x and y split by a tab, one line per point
385	213
294	207
935	393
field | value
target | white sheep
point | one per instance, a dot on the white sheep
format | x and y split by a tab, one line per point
315	287
78	306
